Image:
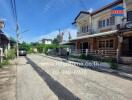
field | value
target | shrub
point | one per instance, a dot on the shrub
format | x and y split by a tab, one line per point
11	54
0	65
5	62
82	56
88	57
113	64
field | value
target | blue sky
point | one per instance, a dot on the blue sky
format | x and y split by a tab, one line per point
45	17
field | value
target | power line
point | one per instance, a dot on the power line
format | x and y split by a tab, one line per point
14	11
13	8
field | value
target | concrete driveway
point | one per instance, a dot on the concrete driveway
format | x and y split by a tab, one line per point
42	78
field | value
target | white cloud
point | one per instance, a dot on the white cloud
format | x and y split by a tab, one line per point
66	32
4	19
90	10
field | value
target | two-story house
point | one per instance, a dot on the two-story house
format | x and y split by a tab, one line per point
97	31
102	33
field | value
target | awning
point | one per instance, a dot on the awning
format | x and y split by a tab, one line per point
96	35
67	43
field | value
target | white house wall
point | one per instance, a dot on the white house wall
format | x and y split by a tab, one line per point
85	19
104	15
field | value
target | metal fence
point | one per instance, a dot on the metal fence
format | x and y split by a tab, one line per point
104	53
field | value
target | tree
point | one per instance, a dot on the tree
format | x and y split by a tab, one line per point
25	46
58	39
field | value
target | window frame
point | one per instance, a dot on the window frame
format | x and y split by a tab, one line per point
105	44
112	20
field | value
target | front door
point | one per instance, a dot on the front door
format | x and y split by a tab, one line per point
85	45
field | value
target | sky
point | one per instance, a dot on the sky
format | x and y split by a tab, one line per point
44	18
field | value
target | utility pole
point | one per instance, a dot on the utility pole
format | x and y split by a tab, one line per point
17	43
18	37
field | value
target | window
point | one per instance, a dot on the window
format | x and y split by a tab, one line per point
101	44
82	29
106	44
103	23
112	20
129	16
109	43
108	22
85	29
100	24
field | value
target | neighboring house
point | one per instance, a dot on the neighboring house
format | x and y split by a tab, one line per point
4	44
126	32
99	32
46	41
4	41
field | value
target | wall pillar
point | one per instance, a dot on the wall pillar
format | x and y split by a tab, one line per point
119	49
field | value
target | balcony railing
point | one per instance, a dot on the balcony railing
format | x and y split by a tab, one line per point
127	25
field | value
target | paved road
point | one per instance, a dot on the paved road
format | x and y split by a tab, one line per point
42	78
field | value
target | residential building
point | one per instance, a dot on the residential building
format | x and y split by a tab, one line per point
4	41
126	32
99	32
46	41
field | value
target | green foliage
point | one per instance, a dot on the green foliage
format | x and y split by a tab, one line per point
82	56
58	39
44	47
5	62
41	48
52	46
25	46
113	64
88	57
1	65
11	54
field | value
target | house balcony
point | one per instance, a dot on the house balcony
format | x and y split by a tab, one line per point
89	32
127	25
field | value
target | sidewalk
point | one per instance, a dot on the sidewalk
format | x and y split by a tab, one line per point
8	82
124	71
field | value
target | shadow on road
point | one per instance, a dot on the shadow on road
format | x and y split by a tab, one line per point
62	92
